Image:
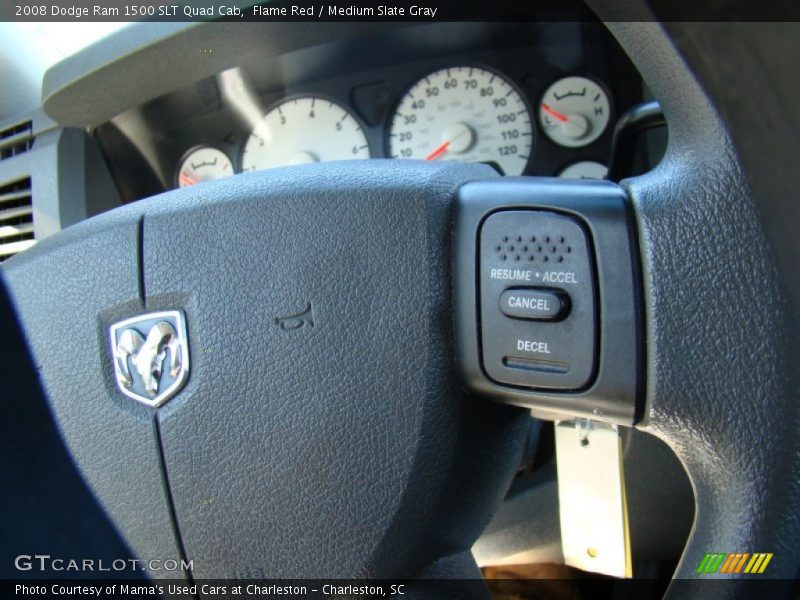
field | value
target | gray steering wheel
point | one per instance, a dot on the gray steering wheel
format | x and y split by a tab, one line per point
322	428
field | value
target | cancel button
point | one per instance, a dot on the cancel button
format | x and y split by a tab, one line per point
538	304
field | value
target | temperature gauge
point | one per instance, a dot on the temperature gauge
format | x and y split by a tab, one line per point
574	111
203	164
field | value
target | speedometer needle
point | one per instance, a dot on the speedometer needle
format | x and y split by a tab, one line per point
438	152
554	113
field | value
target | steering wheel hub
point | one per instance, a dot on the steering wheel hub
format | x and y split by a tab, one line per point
301	428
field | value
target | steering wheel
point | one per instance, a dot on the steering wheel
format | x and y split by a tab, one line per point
321	426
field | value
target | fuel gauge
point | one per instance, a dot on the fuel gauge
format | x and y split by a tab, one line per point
203	164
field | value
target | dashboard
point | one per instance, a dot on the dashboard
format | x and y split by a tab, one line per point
526	98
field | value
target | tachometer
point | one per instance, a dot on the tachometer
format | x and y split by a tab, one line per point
463	113
304	130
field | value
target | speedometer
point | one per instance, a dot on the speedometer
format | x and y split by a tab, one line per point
304	130
467	114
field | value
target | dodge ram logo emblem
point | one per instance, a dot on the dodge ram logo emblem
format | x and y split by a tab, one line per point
151	356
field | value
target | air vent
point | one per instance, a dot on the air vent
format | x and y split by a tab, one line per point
16	218
16	139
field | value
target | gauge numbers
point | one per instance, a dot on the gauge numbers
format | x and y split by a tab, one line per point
574	111
203	164
466	114
304	130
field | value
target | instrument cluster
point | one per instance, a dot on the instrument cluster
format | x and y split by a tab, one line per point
463	113
540	109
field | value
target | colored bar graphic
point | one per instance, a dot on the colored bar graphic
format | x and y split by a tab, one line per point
758	563
741	563
710	563
734	562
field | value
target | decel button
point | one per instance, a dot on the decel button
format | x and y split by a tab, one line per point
534	304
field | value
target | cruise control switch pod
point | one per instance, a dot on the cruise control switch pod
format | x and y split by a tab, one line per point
546	289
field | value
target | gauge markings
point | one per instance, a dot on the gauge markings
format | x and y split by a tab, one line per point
577	114
203	164
299	131
463	113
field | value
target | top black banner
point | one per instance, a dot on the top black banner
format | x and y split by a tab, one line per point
399	10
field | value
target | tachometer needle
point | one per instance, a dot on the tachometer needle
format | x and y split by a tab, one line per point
554	113
438	152
186	180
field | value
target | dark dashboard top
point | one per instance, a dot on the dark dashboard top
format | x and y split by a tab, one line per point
149	122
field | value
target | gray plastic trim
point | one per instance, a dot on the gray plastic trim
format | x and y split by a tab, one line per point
129	68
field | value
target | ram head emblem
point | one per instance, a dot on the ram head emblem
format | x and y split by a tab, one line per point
150	355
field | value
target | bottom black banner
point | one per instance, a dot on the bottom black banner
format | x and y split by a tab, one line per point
317	589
